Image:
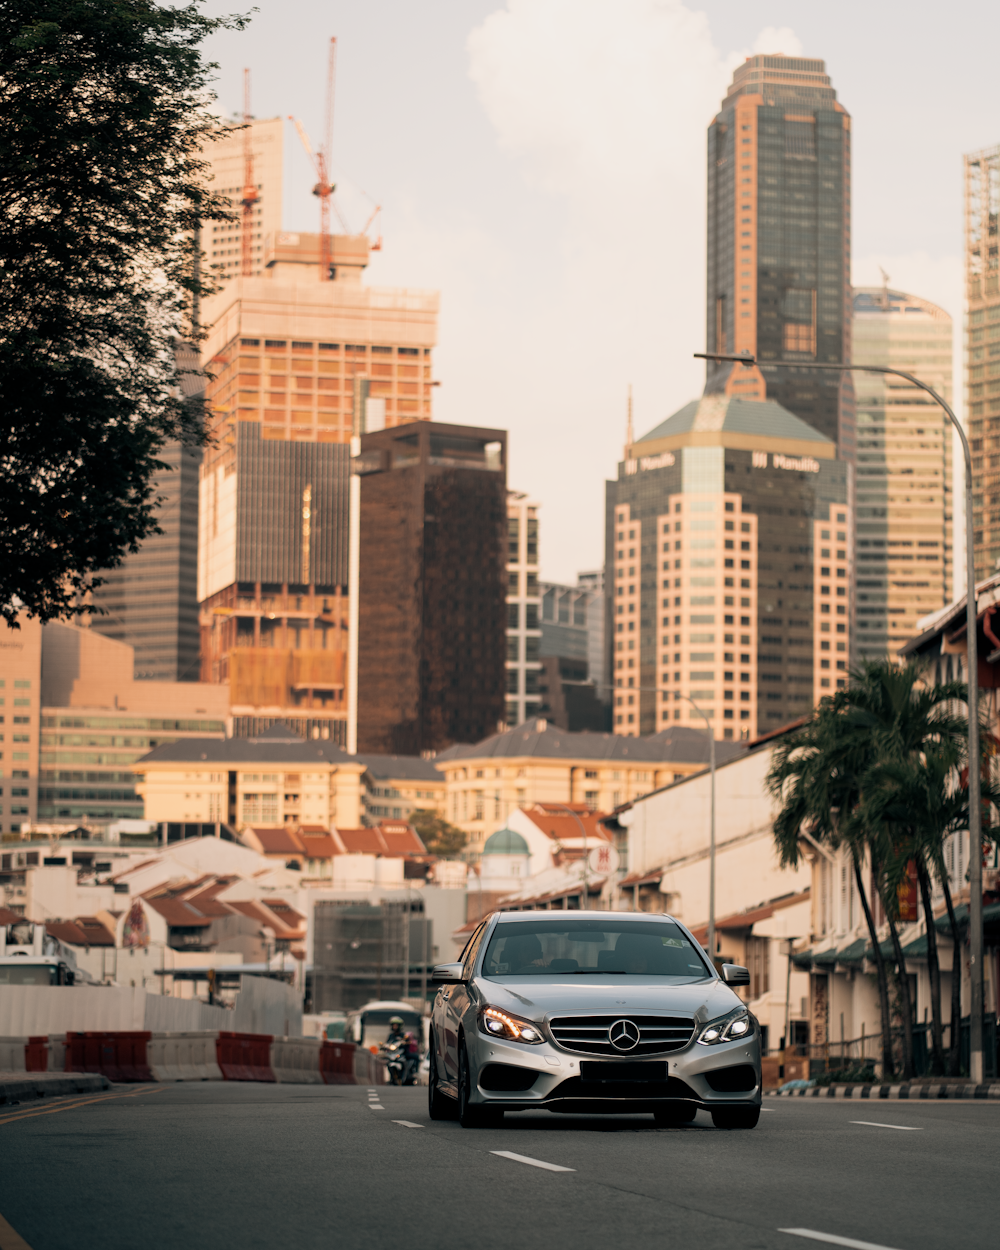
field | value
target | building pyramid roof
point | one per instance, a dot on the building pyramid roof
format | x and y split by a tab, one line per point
728	414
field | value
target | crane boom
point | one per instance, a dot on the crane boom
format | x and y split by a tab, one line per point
250	194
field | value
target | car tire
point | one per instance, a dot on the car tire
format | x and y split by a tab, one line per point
470	1116
439	1106
736	1117
678	1113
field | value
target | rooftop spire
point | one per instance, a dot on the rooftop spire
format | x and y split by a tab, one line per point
629	431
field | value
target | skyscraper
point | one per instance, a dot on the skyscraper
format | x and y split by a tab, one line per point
433	584
728	548
292	359
150	601
524	636
982	360
779	180
904	497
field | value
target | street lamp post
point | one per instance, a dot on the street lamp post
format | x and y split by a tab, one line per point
975	821
711	835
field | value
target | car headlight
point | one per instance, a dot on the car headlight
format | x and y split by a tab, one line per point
728	1029
501	1024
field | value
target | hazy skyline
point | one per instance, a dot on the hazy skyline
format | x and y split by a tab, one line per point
542	164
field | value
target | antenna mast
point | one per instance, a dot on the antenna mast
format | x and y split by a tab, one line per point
629	431
250	193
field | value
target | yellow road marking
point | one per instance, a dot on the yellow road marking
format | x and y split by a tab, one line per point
11	1239
71	1106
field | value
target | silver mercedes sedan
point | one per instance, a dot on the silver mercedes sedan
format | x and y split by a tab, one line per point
591	1012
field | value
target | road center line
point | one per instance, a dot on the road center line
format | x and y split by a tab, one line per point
31	1112
905	1128
535	1163
375	1106
407	1124
832	1239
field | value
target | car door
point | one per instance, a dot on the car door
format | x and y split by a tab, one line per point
457	1002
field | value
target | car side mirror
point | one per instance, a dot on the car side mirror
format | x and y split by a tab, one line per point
733	974
447	974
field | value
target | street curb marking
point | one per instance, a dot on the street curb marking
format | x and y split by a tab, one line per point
911	1093
905	1128
832	1240
535	1163
30	1113
10	1238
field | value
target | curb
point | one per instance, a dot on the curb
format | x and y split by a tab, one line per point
51	1087
901	1092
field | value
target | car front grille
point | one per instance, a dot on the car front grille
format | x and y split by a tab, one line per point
588	1035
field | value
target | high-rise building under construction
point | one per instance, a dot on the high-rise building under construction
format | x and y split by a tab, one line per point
779	166
982	358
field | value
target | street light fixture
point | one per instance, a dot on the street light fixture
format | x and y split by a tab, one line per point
975	821
711	835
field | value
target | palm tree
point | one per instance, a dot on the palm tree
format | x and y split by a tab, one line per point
824	776
815	776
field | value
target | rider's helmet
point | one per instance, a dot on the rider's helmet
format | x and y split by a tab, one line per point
394	1020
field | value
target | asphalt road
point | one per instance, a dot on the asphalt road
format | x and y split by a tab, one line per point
297	1167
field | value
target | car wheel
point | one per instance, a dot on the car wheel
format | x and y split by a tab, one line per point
736	1117
439	1106
470	1116
678	1113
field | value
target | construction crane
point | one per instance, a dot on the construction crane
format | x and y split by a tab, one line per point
250	193
324	188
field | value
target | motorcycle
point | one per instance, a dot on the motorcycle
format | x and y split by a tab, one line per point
396	1062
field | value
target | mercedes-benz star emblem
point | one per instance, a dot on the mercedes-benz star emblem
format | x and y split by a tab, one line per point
623	1035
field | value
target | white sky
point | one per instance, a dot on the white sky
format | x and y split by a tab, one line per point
541	163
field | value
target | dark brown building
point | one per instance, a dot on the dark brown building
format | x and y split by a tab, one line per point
432	602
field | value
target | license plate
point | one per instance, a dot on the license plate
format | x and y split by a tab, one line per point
593	1071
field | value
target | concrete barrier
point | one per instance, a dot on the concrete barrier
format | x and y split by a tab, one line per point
336	1063
245	1056
12	1054
183	1057
296	1060
120	1056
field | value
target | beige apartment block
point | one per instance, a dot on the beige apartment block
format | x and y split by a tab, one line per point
905	561
274	779
539	763
222	242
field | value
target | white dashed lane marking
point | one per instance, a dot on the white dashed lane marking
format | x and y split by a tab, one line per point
832	1239
535	1163
906	1128
407	1124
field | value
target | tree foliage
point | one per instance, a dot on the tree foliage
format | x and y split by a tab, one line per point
437	834
101	194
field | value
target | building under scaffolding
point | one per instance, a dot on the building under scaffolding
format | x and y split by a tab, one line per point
369	950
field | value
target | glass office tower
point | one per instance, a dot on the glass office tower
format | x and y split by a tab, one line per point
779	155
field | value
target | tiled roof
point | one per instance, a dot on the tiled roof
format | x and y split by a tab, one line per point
401	839
747	919
270	748
528	740
561	826
683	745
362	841
84	931
277	840
319	845
400	768
8	917
178	913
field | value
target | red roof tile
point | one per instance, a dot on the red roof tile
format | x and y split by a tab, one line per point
319	845
401	839
559	825
362	841
177	913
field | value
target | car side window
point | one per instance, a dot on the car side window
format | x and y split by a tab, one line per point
472	950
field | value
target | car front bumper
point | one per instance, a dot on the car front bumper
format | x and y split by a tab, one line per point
558	1085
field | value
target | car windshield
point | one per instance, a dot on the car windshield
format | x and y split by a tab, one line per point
575	947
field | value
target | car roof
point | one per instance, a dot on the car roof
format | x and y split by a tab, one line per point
505	916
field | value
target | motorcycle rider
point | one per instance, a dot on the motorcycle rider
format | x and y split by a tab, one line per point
409	1048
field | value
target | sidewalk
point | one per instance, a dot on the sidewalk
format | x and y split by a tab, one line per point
26	1086
923	1090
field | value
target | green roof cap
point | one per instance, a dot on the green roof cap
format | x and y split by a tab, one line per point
505	842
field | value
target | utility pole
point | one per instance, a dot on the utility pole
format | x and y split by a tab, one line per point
711	827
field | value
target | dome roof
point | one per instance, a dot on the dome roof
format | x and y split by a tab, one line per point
505	842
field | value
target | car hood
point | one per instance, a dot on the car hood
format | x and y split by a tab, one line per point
548	996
